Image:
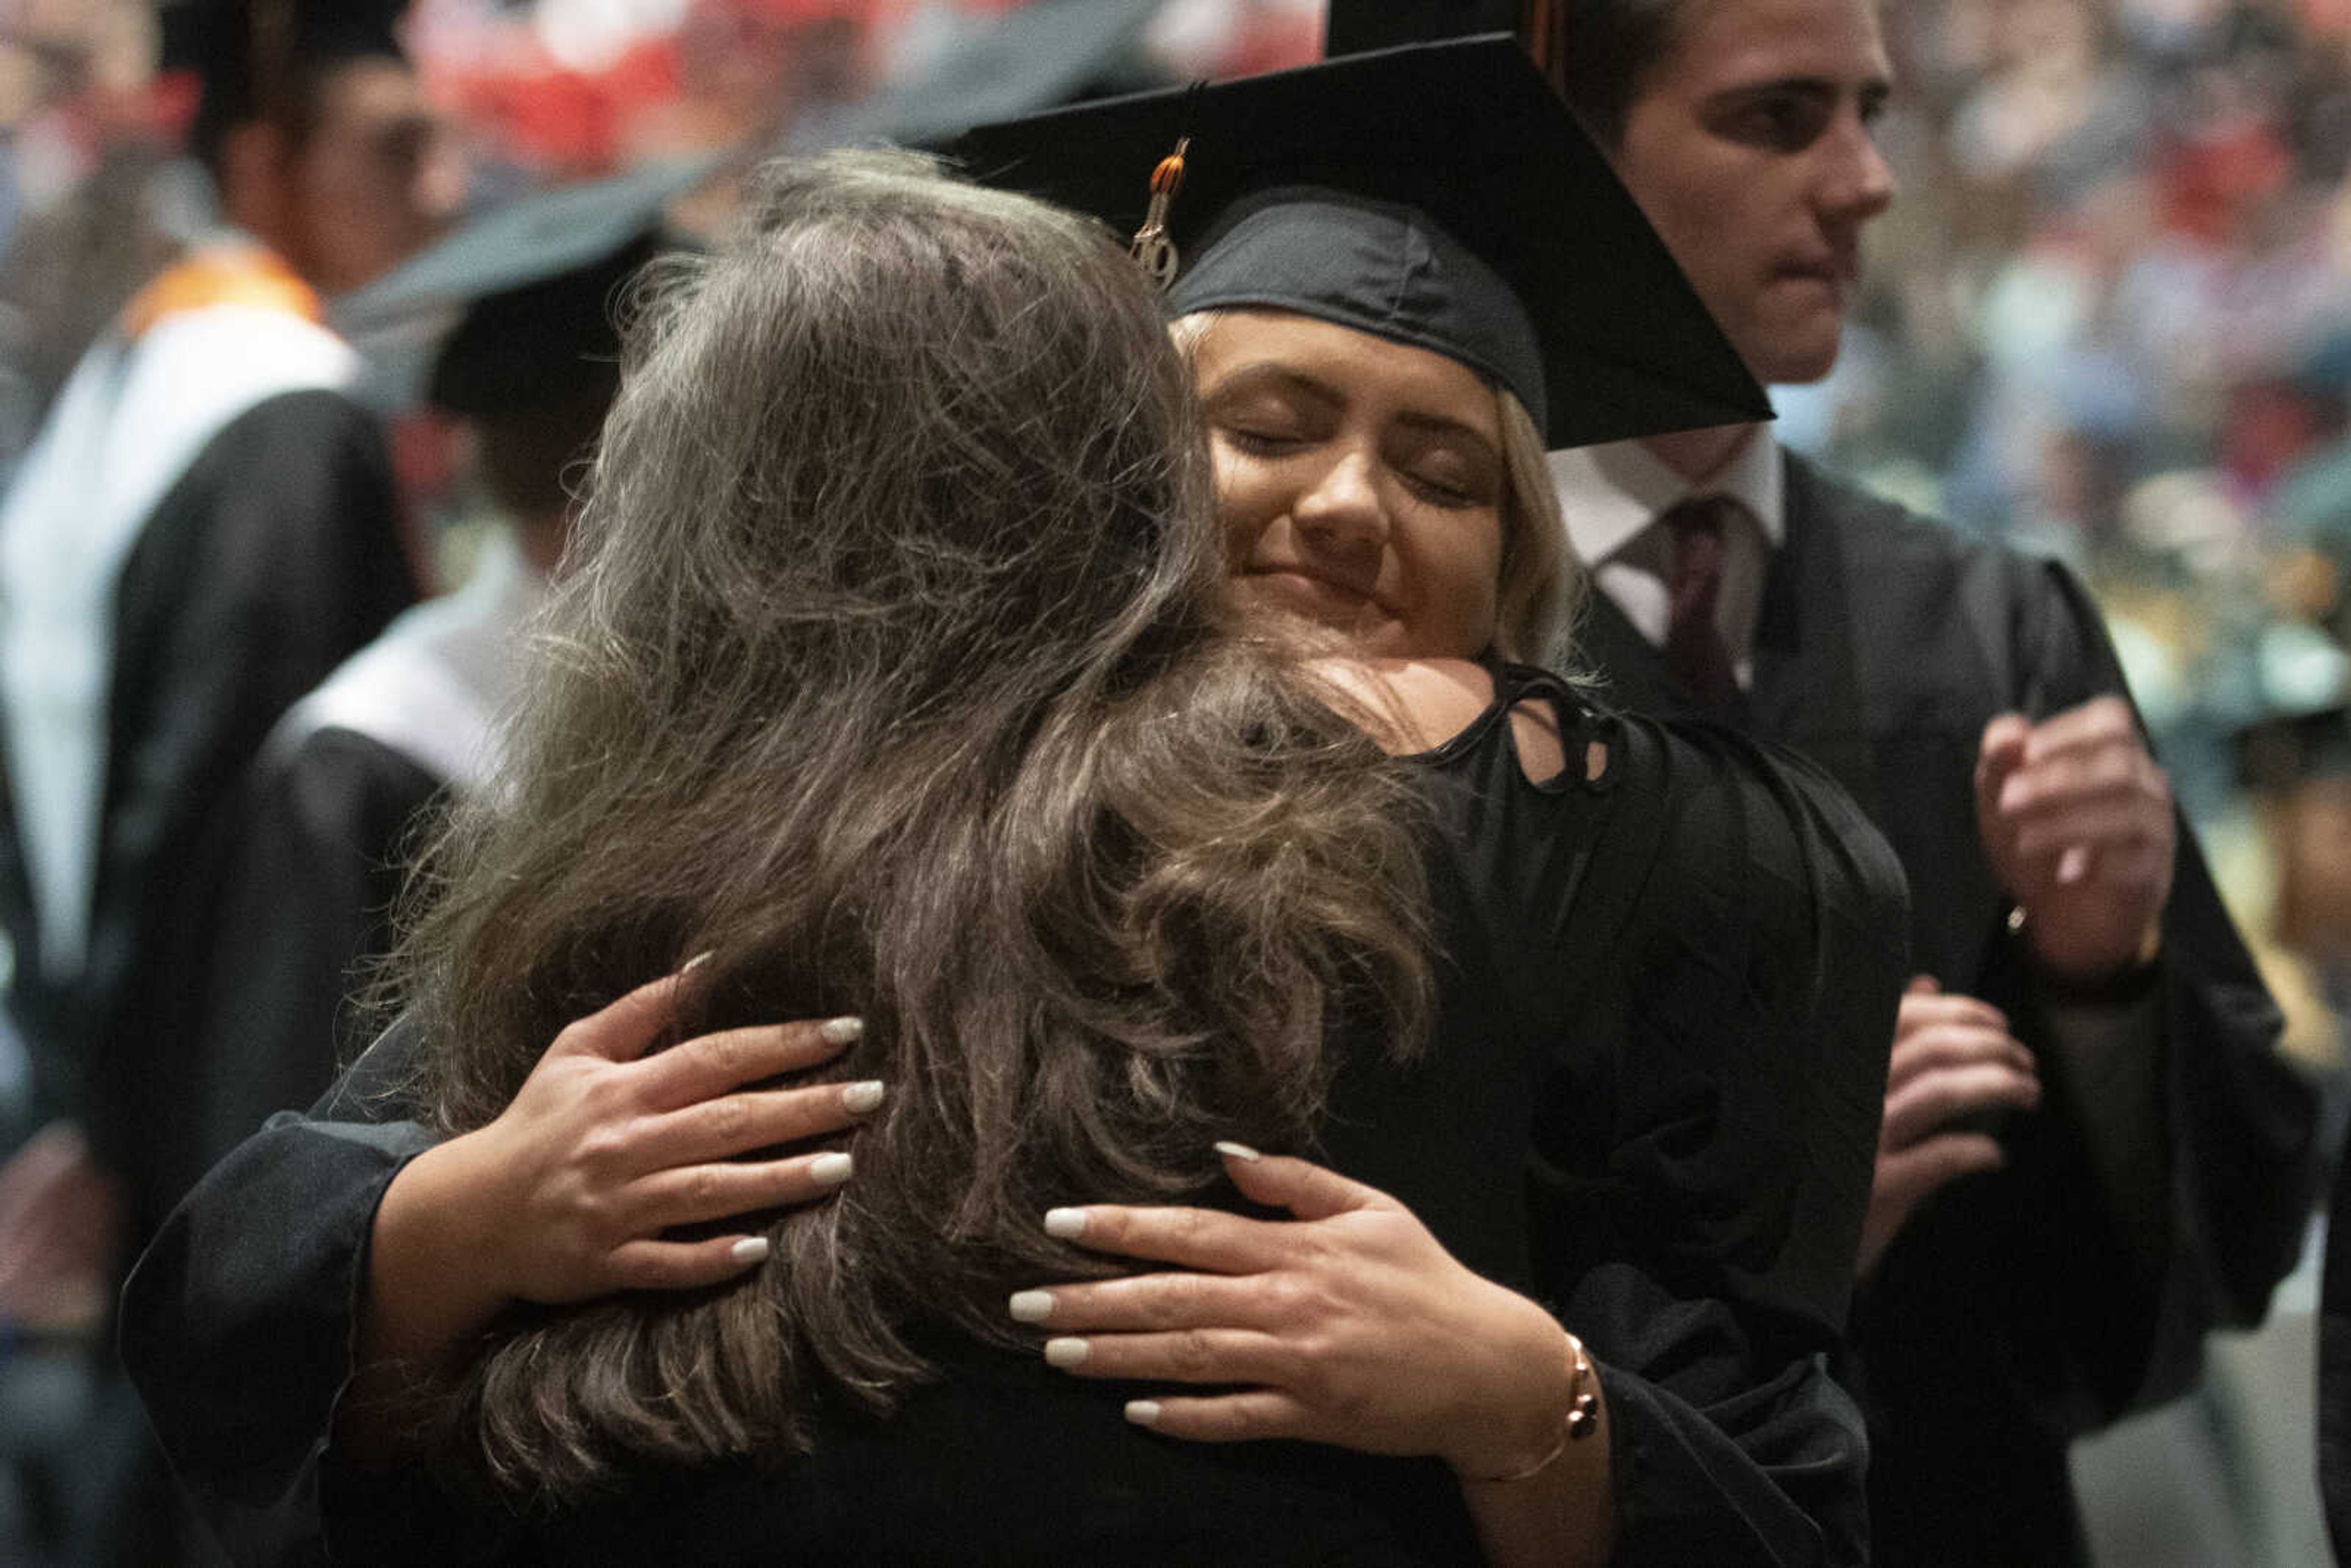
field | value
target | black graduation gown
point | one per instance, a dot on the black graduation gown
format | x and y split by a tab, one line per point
1673	986
343	798
2010	1314
319	863
273	557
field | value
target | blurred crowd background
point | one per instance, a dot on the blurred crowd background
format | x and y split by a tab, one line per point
2108	318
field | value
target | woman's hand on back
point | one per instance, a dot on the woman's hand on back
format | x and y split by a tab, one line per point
605	1148
1349	1325
568	1194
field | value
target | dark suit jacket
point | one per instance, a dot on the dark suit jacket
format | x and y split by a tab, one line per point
2013	1310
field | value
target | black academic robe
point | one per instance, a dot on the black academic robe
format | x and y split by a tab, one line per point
343	799
1671	985
321	856
2013	1311
273	557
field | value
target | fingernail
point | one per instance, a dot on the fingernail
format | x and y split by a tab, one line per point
1065	1224
1240	1152
751	1249
1065	1352
828	1170
1142	1412
1031	1306
699	959
842	1031
860	1098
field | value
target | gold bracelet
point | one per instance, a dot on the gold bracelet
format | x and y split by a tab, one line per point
1583	1417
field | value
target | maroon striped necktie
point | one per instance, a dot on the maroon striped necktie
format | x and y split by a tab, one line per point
1694	647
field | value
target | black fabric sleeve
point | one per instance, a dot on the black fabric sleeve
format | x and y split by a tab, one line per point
239	1323
1721	1454
305	907
1706	1257
2238	1122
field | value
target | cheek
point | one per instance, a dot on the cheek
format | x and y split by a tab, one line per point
1487	568
1461	566
1248	499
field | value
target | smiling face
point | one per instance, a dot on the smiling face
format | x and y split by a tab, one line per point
1750	146
1361	482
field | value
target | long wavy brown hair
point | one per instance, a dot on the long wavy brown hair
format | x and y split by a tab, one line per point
892	670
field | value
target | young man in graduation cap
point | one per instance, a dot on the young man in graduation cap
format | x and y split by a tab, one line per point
2090	1152
203	526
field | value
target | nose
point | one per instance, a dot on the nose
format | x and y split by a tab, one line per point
1343	510
1859	184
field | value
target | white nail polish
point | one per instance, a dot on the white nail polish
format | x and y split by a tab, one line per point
1142	1412
830	1170
1065	1352
1031	1306
1240	1152
1065	1224
699	959
751	1249
842	1031
860	1098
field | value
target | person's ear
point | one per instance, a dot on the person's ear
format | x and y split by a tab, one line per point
256	181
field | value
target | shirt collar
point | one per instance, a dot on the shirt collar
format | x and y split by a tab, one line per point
1611	493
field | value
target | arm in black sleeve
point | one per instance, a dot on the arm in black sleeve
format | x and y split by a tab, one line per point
1703	1241
2232	1174
239	1323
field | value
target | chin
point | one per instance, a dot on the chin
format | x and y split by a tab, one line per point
1797	359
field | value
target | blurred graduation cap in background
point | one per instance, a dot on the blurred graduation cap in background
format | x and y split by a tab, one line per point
1438	194
977	70
496	315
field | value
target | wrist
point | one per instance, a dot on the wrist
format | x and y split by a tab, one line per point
1569	1413
436	1257
2095	976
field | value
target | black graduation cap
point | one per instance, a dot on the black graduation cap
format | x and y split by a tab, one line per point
250	55
535	279
1438	194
